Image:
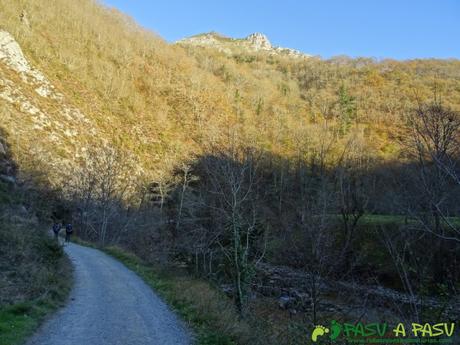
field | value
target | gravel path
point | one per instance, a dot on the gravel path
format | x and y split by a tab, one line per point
109	305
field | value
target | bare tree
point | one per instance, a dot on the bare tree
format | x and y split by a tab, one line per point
433	140
102	187
440	135
428	196
233	185
352	189
411	269
315	250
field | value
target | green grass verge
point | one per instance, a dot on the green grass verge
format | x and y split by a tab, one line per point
388	219
202	307
19	321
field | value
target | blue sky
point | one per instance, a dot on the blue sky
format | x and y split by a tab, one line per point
401	29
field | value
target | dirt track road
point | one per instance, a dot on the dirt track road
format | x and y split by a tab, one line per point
109	305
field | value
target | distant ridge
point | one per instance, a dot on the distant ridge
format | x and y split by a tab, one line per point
255	42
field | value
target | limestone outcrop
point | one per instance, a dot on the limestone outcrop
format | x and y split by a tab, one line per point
256	42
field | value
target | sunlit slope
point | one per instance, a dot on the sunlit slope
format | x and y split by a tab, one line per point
134	91
114	83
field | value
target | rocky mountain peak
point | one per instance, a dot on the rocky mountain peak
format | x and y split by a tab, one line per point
259	41
256	42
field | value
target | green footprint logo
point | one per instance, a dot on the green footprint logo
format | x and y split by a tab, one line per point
318	332
336	328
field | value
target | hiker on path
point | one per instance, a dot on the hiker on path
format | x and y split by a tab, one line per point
56	229
68	232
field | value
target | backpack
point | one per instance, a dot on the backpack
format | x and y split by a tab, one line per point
68	229
56	228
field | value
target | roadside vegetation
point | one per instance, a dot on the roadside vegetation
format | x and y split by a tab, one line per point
35	275
206	309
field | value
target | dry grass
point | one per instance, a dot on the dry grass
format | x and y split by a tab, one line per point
212	314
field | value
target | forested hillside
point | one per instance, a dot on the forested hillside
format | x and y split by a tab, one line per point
231	162
157	100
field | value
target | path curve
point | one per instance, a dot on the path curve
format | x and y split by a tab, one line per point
110	305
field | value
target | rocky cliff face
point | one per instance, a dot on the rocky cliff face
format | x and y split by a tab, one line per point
256	42
35	111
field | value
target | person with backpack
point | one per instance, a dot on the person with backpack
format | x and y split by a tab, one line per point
68	232
56	229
